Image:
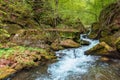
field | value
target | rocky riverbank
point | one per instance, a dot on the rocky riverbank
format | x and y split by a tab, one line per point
107	30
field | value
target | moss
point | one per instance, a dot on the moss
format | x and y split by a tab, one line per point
56	46
5	72
110	40
92	35
6	52
105	33
117	44
94	30
4	35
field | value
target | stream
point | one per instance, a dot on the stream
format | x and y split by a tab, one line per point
72	64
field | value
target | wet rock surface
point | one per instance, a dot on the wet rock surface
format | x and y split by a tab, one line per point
103	71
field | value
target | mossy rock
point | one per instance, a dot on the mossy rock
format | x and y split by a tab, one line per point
56	46
94	30
110	40
11	28
102	49
92	35
4	35
105	33
82	42
68	43
6	72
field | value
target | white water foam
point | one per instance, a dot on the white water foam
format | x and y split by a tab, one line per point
71	62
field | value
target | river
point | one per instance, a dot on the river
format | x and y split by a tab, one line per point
72	64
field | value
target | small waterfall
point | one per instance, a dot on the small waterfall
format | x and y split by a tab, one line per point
71	62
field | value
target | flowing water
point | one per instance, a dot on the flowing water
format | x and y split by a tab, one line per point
72	64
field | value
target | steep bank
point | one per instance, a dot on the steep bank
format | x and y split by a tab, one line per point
107	29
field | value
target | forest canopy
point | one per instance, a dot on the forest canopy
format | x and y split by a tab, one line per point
86	10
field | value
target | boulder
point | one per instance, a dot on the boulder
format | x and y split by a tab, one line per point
56	45
111	39
83	42
68	43
104	50
11	28
104	59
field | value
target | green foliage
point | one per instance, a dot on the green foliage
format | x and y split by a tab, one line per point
86	10
6	51
47	11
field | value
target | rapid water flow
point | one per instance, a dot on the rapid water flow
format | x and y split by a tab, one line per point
71	62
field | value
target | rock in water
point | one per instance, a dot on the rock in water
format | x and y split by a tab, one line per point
83	42
104	59
104	50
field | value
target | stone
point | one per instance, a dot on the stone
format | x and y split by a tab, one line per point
104	59
83	42
56	46
68	43
102	49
